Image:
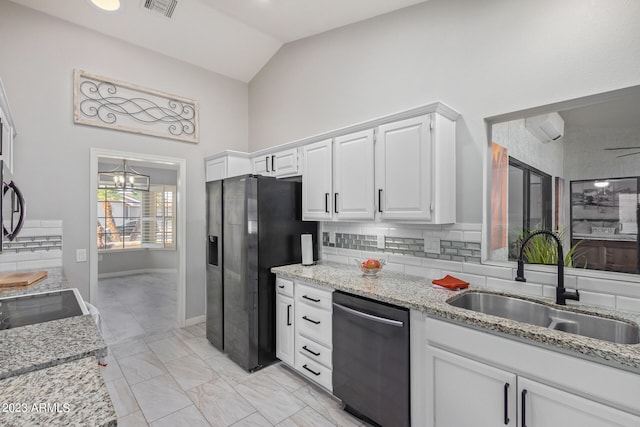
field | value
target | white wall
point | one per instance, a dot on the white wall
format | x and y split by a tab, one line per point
52	155
483	58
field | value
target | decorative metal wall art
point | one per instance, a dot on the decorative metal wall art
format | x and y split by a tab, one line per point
112	104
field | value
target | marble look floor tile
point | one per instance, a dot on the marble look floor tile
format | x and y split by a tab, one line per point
169	348
199	330
190	371
112	371
228	370
269	398
141	366
307	417
177	333
187	417
202	347
159	397
327	406
133	420
128	348
284	376
124	402
253	420
220	403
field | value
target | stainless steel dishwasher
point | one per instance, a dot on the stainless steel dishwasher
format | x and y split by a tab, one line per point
371	359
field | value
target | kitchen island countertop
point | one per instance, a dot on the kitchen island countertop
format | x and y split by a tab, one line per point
53	363
417	293
71	393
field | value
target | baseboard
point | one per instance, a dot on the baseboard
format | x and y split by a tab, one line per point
132	272
195	320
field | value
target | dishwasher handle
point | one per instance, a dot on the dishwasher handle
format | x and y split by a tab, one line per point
368	316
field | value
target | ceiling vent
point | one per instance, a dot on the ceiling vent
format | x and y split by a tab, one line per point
546	127
162	7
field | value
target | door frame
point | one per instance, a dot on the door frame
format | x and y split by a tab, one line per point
181	221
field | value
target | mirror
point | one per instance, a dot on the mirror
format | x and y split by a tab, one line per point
572	167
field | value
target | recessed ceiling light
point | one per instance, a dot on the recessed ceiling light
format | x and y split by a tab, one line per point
106	5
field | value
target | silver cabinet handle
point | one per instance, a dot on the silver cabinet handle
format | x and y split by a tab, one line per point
368	316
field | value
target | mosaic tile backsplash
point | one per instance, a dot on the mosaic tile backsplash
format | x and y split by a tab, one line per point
450	250
33	243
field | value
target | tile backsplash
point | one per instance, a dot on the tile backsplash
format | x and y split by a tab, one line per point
459	254
450	250
38	245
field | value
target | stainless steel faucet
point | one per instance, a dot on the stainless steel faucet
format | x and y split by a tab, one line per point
562	295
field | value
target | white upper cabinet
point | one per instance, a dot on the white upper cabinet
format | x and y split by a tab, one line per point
415	170
337	180
317	203
227	164
353	180
281	164
7	131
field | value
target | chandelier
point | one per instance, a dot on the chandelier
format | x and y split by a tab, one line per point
125	178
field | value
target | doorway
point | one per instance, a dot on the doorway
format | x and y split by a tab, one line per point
137	251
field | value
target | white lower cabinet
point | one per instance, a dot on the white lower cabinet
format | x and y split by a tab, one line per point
541	405
468	393
479	379
303	329
285	331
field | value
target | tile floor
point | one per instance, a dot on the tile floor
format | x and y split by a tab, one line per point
175	377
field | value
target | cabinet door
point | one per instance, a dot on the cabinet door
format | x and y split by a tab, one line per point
403	170
216	169
353	182
284	329
261	165
468	393
316	181
542	406
285	163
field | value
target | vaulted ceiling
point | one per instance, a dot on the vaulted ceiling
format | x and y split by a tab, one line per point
235	38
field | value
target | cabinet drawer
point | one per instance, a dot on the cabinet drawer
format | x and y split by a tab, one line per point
314	371
314	351
314	323
284	287
313	296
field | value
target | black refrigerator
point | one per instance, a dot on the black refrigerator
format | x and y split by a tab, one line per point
254	223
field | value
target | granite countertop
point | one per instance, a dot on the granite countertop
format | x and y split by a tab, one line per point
54	362
38	346
70	394
55	280
417	293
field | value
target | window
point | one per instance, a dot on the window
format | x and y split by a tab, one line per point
136	219
158	217
530	205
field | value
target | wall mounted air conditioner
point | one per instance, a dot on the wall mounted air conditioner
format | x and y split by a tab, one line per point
546	127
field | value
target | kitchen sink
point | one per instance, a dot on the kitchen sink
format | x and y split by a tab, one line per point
534	313
40	307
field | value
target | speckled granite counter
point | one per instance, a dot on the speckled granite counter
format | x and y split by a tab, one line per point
55	280
53	363
70	394
38	346
417	293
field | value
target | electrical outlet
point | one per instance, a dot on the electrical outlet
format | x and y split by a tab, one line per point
432	245
81	255
381	241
